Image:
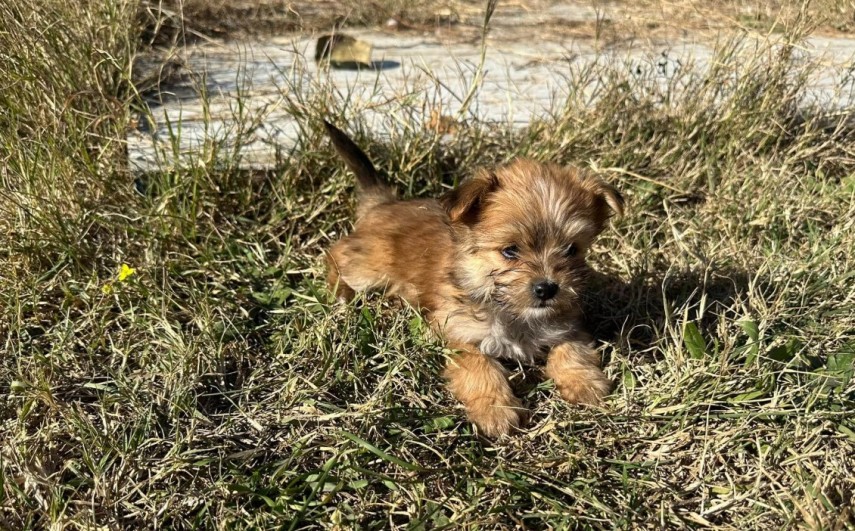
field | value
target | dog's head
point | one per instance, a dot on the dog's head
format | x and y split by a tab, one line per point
524	230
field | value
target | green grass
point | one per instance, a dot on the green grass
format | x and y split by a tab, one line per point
217	387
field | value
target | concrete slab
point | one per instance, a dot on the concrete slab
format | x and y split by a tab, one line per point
418	77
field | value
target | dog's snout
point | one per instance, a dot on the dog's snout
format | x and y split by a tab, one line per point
544	289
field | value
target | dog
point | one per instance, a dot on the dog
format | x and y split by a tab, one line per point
497	266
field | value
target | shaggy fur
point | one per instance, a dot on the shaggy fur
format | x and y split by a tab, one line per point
497	266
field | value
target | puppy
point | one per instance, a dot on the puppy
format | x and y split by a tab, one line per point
497	266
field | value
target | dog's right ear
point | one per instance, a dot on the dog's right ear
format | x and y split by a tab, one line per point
464	203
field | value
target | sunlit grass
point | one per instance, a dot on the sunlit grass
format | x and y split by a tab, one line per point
216	386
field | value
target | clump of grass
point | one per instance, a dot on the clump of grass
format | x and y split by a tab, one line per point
62	124
217	387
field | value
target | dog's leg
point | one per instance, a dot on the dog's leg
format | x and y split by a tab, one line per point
574	366
481	384
336	284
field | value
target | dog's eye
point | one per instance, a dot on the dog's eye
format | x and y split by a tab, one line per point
571	251
511	252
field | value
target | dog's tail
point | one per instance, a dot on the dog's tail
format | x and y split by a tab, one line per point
372	190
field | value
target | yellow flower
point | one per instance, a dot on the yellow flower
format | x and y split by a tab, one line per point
125	272
107	288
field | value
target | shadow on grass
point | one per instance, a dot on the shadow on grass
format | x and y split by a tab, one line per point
631	311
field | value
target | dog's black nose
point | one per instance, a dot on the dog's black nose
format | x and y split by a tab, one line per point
544	289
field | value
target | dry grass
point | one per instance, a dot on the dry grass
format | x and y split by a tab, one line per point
828	16
167	22
170	20
216	387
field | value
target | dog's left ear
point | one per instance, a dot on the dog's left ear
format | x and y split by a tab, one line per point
611	196
464	203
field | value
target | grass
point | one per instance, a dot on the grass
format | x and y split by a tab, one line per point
179	21
217	387
165	21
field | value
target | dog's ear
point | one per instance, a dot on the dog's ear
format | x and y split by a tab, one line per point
606	193
612	197
464	203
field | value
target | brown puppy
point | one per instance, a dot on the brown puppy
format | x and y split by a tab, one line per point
497	267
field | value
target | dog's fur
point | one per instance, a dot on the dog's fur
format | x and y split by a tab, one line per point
471	262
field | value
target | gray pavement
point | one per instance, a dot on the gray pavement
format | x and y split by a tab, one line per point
419	76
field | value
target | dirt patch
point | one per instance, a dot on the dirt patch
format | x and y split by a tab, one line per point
178	21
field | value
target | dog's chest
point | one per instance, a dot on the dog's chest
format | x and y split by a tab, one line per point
522	342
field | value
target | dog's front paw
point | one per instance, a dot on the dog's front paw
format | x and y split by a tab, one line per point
582	386
495	416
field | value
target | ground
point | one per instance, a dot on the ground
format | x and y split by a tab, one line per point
171	357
